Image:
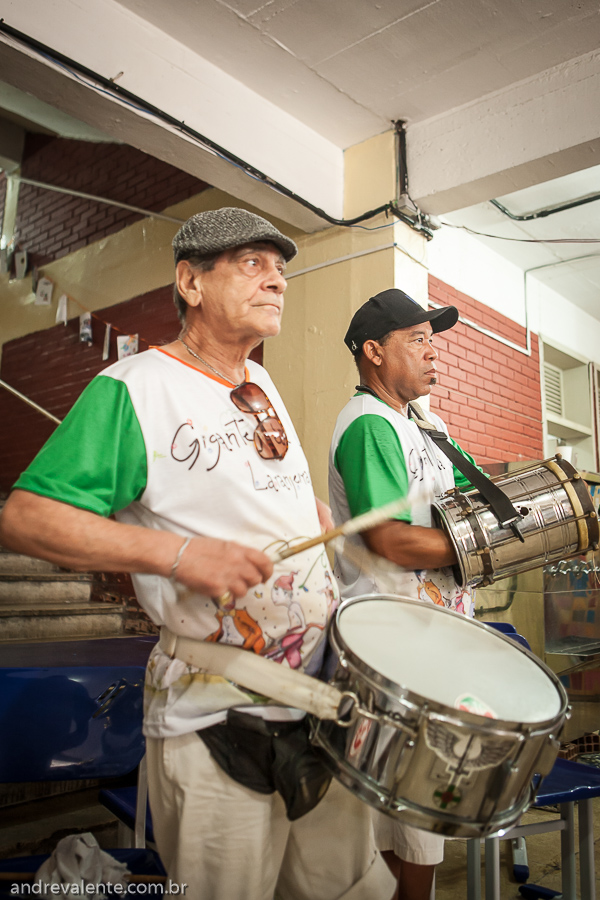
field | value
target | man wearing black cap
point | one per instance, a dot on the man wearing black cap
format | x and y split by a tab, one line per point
190	447
378	454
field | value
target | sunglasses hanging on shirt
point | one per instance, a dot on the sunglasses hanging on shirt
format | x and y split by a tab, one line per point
270	438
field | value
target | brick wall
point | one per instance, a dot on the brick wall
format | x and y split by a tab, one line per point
51	225
488	394
52	368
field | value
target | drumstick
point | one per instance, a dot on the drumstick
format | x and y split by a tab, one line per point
353	526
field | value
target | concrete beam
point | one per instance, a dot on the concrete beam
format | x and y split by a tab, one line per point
116	43
11	145
45	117
529	133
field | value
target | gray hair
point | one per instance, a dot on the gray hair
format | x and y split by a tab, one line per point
204	263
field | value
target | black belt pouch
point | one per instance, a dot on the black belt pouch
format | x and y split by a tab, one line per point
270	756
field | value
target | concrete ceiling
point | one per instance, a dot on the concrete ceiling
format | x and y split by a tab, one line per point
347	68
370	62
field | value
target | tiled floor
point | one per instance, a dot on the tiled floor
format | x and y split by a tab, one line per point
37	826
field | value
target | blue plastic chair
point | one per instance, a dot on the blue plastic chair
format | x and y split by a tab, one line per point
568	783
122	802
63	723
130	807
71	722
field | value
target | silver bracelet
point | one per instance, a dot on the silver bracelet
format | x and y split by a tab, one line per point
180	553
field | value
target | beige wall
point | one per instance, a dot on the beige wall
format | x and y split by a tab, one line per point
370	174
309	361
519	601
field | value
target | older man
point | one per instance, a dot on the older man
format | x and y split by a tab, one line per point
378	454
190	447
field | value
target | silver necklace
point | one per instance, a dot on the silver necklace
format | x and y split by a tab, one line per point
208	365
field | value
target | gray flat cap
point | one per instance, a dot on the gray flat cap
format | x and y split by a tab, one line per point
222	229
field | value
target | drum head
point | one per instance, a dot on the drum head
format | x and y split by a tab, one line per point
446	658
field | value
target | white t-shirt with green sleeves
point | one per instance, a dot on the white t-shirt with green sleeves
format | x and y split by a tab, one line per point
378	455
160	444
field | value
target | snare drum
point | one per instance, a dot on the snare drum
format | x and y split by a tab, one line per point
559	521
447	720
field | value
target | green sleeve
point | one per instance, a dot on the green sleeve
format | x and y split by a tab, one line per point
460	480
371	462
96	459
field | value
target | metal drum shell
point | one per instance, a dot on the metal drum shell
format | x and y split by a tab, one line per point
560	522
385	758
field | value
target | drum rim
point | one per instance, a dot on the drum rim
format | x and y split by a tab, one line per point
580	489
405	692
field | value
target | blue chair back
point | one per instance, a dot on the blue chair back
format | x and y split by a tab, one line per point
509	631
76	722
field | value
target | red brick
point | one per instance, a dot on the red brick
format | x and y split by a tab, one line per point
52	367
457	422
450	360
117	171
467	366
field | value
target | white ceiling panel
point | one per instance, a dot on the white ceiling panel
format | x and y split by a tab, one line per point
579	282
265	9
228	39
348	67
315	31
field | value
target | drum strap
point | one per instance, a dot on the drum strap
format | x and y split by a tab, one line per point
500	504
255	673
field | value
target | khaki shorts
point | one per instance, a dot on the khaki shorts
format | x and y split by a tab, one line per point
227	842
408	843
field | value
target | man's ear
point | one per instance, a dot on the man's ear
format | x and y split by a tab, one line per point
189	282
372	351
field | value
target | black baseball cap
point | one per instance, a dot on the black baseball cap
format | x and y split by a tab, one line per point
390	310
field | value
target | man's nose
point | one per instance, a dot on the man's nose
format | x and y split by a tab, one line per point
275	280
432	352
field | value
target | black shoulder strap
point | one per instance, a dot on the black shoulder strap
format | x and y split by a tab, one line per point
499	502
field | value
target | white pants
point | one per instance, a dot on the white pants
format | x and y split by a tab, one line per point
410	844
227	842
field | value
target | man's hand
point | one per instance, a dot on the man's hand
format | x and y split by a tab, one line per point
215	567
325	517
